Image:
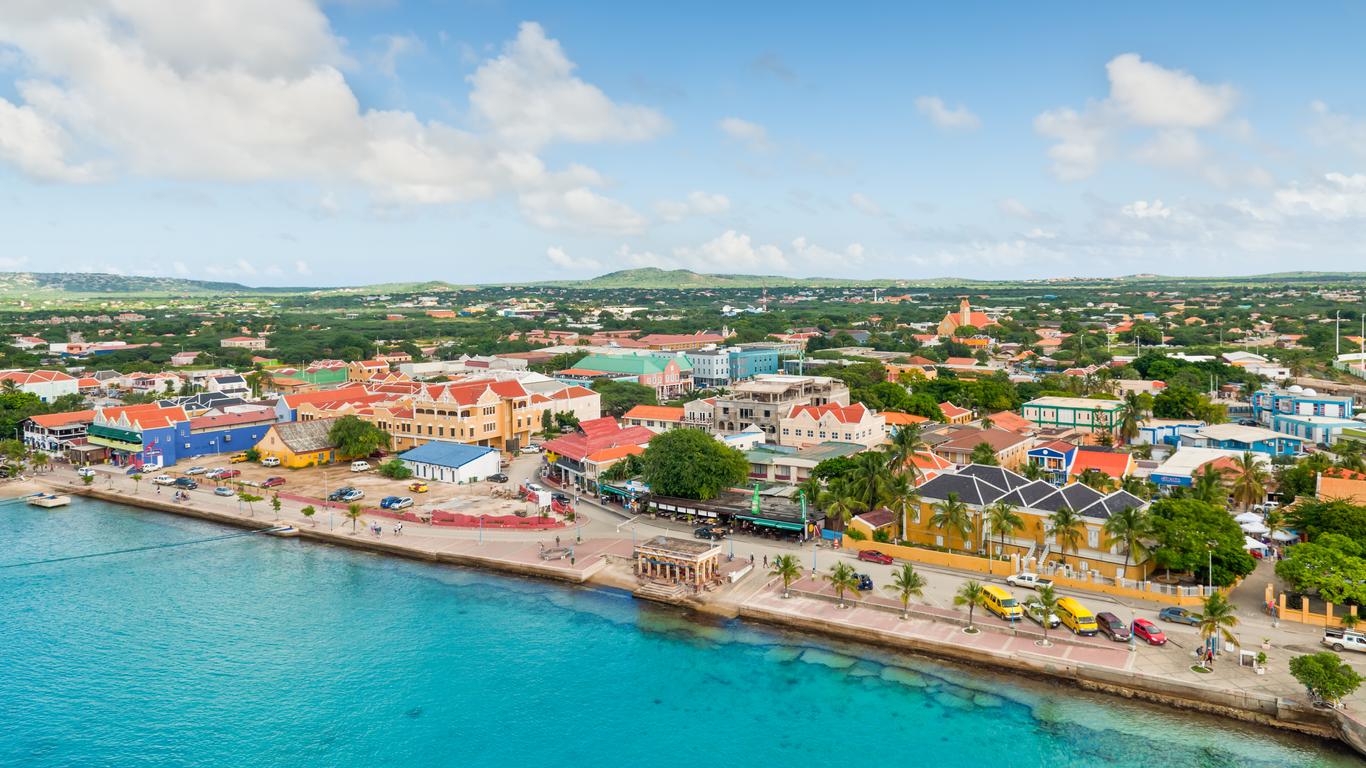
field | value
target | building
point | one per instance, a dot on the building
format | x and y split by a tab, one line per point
1055	459
786	465
1239	438
1178	471
46	385
1337	483
670	377
677	342
231	384
1035	501
181	359
1322	430
1165	431
1296	400
566	456
765	400
1079	413
300	443
678	562
806	425
1011	449
964	317
913	368
582	402
1116	465
721	367
243	342
656	418
446	462
287	407
953	414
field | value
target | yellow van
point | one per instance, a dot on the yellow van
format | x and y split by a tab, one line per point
1001	602
1076	616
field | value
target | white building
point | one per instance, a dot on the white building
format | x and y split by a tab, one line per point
806	425
445	462
47	385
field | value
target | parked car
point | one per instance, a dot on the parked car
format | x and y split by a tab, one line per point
228	474
237	458
874	556
223	490
163	480
1149	632
709	533
531	449
395	502
272	482
85	472
1028	580
339	493
417	486
1033	608
865	582
215	473
186	483
196	471
498	477
1344	639
1113	627
355	494
270	461
134	470
1178	616
360	466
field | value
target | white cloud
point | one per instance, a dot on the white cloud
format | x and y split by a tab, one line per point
958	118
563	260
1334	197
1012	207
625	255
1149	94
753	135
1142	209
530	97
395	47
579	209
731	252
1144	95
1334	129
820	257
252	90
865	204
697	204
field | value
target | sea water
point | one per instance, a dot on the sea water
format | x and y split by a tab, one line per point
255	651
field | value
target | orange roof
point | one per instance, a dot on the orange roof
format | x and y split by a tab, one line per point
1110	463
34	377
327	395
897	418
612	454
952	411
846	414
569	393
1012	421
1341	484
656	412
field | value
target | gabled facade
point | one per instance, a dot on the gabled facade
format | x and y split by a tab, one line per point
806	425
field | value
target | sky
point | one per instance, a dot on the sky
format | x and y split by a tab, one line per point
344	142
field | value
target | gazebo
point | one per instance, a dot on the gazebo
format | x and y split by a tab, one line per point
678	561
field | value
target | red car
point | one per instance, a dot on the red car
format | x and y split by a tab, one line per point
271	482
874	556
227	473
1149	632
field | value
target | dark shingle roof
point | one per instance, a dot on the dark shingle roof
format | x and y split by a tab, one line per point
971	490
1075	496
1115	502
998	476
1029	495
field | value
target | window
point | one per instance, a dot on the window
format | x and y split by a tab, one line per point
1092	538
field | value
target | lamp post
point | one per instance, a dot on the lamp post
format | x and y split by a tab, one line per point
481	530
1211	543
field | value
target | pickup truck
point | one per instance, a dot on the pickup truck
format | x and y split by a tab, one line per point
1028	580
1343	639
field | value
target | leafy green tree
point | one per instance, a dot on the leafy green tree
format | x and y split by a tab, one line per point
1128	527
88	480
984	454
1182	530
972	595
1325	676
1247	480
618	397
354	436
275	504
308	512
829	469
1315	517
843	578
1067	527
395	469
250	499
1331	566
951	516
691	464
786	568
906	583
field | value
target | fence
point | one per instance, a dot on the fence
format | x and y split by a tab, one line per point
1134	590
1329	618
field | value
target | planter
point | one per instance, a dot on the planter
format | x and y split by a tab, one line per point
1261	670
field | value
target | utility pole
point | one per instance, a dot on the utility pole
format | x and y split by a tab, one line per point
1337	334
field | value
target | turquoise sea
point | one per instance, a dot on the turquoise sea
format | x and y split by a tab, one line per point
266	652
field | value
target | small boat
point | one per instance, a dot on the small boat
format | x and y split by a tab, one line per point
283	530
48	500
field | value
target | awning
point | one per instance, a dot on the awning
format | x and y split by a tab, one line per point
1251	543
780	524
1255	529
1247	517
1285	536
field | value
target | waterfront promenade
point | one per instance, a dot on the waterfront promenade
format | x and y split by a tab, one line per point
602	544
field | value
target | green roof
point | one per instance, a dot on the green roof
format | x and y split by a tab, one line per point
636	365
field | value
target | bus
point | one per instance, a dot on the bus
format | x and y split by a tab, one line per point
1001	602
1076	616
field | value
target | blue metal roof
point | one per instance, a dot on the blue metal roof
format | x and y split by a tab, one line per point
446	454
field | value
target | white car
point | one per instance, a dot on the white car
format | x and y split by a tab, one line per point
360	466
196	471
163	480
270	461
1034	610
531	449
215	473
1344	639
1028	580
85	472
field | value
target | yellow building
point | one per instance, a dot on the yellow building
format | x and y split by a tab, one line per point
299	443
979	487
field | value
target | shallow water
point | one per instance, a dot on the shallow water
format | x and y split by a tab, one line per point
255	651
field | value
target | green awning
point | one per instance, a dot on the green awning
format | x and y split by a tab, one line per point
116	444
772	523
112	433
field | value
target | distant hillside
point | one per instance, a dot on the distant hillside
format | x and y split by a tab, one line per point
101	284
655	278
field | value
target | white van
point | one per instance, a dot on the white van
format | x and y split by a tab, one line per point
360	466
1344	639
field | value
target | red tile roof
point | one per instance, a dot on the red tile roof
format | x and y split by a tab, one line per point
263	415
658	412
1111	463
595	435
845	414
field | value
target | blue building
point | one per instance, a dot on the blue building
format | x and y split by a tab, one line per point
161	437
725	366
1323	430
1166	431
1240	438
1296	400
748	362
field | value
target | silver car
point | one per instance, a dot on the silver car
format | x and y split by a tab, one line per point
1034	610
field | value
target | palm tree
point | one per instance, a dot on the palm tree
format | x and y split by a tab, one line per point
986	422
951	515
1032	471
840	503
1048	602
1248	480
1069	529
1129	417
786	567
906	583
308	512
354	511
843	577
1207	485
1002	521
870	480
1275	522
1129	527
970	594
137	481
1217	619
905	498
812	488
984	454
906	442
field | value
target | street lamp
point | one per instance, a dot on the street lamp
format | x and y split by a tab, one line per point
1211	544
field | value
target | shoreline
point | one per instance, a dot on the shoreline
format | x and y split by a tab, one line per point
1267	711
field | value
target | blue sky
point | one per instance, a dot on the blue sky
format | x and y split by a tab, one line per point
292	142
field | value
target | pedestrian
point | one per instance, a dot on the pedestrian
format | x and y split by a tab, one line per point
557	541
765	561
